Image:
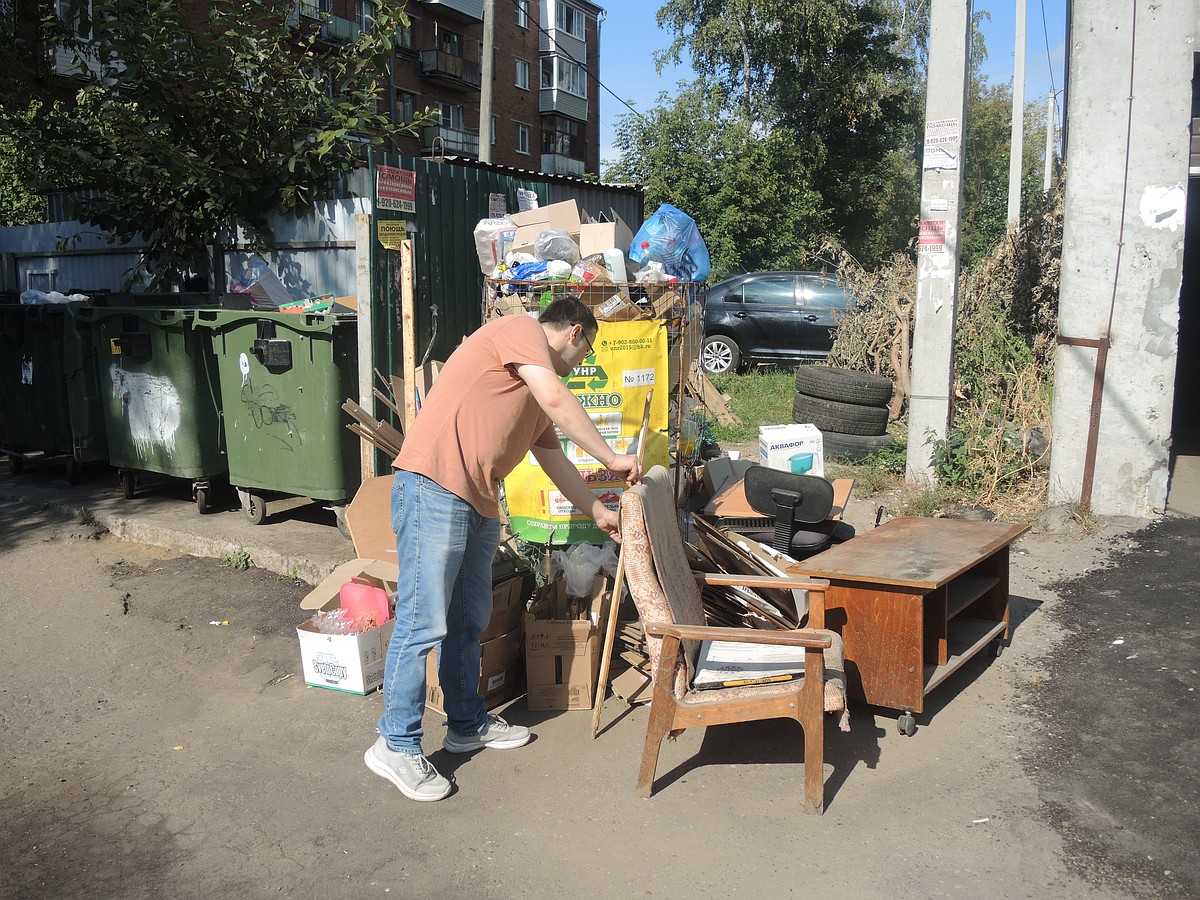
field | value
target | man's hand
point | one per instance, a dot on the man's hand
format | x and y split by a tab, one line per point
627	464
610	523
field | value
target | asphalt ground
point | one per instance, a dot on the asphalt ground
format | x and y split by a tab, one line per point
1107	683
1118	762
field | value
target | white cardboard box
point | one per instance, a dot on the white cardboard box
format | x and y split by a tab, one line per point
792	448
346	662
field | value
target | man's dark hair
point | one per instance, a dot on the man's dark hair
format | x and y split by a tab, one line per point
567	311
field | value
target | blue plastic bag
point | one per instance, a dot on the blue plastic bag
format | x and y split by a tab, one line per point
671	237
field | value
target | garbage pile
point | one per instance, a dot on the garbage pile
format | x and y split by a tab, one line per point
534	256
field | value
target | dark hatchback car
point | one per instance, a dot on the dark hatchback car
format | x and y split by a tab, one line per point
770	317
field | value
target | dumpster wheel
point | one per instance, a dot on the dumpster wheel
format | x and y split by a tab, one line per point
253	505
200	494
74	469
128	483
16	464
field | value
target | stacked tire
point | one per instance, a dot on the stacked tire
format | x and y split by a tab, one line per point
850	409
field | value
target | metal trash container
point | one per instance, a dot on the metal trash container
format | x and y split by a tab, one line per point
41	362
284	377
159	395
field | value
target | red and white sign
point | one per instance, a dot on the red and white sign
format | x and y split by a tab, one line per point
395	189
932	233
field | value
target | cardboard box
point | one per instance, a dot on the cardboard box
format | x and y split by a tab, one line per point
596	237
509	599
346	662
792	448
533	222
499	677
562	655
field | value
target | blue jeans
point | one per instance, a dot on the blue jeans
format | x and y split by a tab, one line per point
444	599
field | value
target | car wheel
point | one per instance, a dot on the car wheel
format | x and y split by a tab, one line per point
843	385
720	355
853	447
846	418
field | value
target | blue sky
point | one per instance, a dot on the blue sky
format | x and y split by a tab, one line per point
629	37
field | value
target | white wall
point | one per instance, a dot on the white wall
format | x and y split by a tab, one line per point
1127	171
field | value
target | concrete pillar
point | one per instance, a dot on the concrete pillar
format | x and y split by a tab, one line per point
937	261
1127	169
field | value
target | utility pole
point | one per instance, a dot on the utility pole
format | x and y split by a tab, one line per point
1016	153
485	78
937	242
1049	170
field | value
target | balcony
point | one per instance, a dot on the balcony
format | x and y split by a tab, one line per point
453	141
337	30
451	71
462	10
557	164
559	102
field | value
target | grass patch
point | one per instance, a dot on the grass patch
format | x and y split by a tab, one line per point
238	559
758	397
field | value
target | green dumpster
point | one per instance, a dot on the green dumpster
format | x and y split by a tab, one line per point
40	360
158	394
284	377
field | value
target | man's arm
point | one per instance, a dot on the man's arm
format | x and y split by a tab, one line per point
568	480
565	411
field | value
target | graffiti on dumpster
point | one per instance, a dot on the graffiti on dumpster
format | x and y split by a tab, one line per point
265	411
151	406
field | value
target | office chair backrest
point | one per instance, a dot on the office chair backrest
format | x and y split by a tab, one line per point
793	500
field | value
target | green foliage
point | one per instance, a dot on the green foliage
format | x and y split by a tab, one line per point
238	559
758	397
194	127
745	190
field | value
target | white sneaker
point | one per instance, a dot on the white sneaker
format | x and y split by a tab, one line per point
498	735
412	773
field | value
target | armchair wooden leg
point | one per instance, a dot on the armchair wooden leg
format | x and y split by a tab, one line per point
814	765
656	730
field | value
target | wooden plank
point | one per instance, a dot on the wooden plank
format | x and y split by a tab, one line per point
912	552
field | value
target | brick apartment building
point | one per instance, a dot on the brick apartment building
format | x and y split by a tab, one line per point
545	109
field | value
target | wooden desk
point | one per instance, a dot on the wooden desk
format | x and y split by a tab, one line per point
915	599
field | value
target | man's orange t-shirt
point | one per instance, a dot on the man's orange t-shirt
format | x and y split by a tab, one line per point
480	418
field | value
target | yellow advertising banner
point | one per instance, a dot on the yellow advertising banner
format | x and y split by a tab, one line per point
628	359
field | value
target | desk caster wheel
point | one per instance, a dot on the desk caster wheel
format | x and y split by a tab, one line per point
906	724
997	648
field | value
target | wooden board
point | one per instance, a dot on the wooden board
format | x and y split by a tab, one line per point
912	551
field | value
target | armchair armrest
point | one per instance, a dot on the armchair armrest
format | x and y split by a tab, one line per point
811	638
786	582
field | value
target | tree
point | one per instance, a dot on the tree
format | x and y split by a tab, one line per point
833	75
741	187
195	125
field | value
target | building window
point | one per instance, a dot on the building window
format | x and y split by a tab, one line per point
366	15
451	115
563	137
523	74
404	36
450	42
522	138
522	13
405	107
560	72
77	14
569	19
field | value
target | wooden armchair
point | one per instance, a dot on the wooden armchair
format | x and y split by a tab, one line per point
667	595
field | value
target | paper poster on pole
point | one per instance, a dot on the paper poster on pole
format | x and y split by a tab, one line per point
629	359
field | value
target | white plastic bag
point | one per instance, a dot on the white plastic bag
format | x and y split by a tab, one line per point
493	237
582	562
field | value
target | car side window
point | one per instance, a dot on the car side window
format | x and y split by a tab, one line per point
821	293
770	292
